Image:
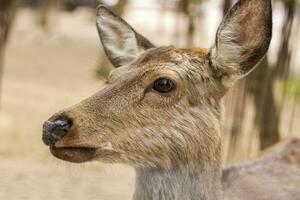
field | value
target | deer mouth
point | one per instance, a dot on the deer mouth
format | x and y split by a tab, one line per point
73	154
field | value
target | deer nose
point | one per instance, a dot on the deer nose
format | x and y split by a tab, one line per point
54	130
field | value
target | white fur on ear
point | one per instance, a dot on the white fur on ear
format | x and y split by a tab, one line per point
242	39
120	41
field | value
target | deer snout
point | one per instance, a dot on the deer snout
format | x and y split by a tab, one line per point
54	130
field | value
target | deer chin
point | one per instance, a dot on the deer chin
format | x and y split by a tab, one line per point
73	154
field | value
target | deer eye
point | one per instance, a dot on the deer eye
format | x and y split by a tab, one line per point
163	85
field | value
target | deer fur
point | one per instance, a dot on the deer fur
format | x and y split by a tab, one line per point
174	140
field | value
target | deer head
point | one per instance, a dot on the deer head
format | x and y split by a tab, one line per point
161	106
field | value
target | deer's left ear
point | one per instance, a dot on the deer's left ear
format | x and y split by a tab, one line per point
243	38
121	42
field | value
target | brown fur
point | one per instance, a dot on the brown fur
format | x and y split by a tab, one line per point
275	175
174	139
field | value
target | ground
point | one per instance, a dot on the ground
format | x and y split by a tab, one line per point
35	181
45	72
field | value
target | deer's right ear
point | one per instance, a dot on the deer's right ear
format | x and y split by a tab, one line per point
242	39
121	42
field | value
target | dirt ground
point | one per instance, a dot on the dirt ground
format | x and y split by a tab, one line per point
21	180
46	71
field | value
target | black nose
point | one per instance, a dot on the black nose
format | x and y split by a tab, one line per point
55	130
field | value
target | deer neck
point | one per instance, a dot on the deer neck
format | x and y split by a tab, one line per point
179	183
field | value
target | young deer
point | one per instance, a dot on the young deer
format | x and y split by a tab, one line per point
160	112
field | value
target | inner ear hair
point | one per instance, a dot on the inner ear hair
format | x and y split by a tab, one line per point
122	44
242	39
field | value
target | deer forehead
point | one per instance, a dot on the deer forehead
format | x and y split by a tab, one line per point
164	61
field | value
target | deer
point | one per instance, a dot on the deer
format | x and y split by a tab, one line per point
160	111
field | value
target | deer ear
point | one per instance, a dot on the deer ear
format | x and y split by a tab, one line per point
121	42
242	39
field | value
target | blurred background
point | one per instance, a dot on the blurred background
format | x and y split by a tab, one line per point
51	58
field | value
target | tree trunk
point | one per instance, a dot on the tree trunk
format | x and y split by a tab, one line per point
226	6
44	7
190	9
262	80
236	129
120	7
191	30
260	84
284	54
7	13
